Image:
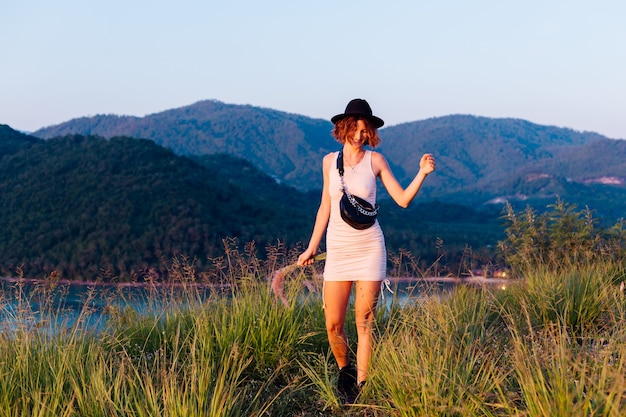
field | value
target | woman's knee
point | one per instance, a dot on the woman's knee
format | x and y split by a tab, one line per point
334	326
364	321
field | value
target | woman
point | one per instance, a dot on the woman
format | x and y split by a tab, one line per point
355	257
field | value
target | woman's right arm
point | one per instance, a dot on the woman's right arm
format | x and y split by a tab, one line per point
321	220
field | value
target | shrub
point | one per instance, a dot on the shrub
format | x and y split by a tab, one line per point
559	239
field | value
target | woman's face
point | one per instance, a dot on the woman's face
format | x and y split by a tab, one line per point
360	136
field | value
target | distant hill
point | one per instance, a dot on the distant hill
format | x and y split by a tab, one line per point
482	160
93	208
474	152
479	159
285	146
12	141
84	205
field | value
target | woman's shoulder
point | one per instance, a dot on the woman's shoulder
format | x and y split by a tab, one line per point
328	159
330	155
379	162
377	156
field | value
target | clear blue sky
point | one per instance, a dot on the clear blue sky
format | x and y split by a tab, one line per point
551	62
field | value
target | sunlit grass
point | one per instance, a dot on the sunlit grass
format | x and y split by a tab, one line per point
553	344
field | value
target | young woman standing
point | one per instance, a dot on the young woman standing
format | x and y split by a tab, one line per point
355	258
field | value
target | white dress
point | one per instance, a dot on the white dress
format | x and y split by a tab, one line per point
351	254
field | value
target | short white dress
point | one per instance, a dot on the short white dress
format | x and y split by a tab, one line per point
351	254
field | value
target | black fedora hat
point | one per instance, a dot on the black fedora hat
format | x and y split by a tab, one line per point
359	108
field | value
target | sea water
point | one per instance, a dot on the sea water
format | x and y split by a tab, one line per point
29	305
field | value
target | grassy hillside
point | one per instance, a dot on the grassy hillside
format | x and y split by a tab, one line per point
552	344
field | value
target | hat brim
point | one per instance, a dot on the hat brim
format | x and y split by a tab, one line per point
377	122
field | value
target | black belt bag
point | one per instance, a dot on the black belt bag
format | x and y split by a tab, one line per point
354	210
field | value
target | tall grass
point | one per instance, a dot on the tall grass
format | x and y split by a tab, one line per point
437	357
226	354
551	344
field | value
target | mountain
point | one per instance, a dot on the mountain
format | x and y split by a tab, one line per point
84	205
281	144
91	208
12	141
476	151
479	160
482	161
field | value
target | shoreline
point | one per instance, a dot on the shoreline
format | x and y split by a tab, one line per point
457	280
144	284
444	280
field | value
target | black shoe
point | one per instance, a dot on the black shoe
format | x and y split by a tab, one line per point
346	384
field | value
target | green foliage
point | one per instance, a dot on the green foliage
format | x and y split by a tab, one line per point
558	239
576	298
12	141
122	208
559	375
475	154
92	208
471	351
441	357
283	145
567	263
454	238
185	352
478	158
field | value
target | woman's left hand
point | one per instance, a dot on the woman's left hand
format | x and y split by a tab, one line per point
427	163
306	258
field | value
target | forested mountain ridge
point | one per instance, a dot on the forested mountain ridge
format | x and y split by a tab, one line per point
87	206
12	141
286	146
92	208
476	156
476	152
84	205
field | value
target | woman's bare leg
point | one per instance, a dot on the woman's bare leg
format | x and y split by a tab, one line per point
336	296
365	302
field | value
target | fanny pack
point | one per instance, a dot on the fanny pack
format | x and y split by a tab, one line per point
354	210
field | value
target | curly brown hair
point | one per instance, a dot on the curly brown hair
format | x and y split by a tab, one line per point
346	127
